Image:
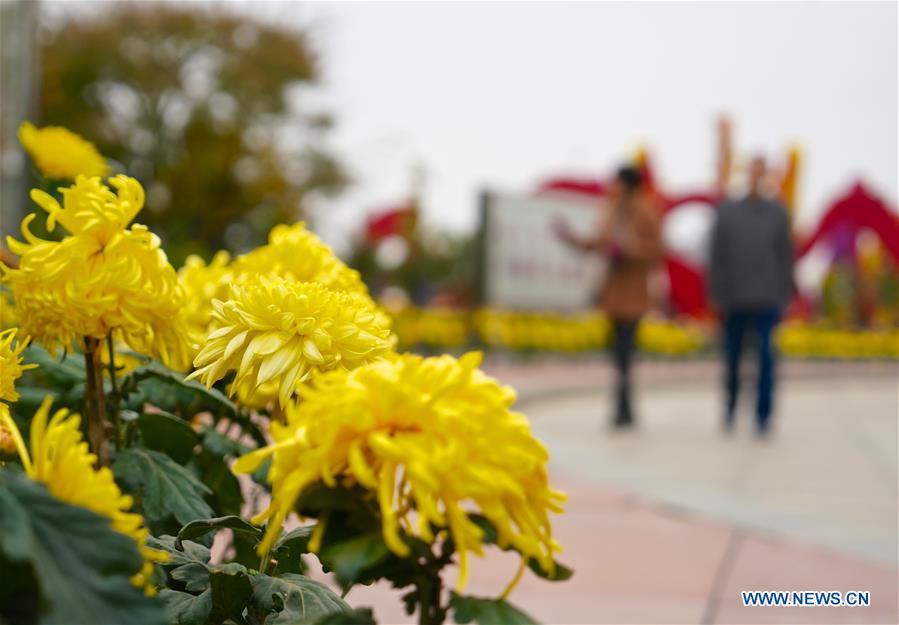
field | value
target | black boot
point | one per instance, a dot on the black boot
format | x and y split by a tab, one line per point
624	416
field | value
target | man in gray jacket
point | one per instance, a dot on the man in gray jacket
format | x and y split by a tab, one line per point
751	282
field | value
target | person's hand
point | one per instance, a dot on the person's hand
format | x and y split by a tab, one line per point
614	251
563	231
560	227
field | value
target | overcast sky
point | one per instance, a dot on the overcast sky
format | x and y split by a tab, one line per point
506	94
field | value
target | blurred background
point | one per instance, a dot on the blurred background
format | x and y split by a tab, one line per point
434	145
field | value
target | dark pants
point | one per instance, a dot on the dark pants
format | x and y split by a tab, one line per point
623	355
736	325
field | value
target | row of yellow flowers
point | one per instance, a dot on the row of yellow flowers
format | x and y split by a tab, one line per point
822	341
455	329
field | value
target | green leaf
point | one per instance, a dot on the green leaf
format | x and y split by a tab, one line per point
212	593
164	432
215	473
193	575
188	562
486	527
164	488
260	475
65	371
298	538
231	591
188	552
349	559
61	376
221	446
82	566
297	598
204	526
359	616
559	574
289	549
355	504
487	611
212	399
186	609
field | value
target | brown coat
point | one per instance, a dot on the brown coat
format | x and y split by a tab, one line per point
637	235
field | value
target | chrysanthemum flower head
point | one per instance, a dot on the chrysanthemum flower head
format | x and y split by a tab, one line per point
59	153
432	439
292	252
11	366
103	276
91	208
203	283
60	460
296	253
274	333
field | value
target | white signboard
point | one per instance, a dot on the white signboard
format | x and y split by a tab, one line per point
526	266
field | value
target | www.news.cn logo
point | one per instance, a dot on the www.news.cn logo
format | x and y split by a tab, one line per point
802	598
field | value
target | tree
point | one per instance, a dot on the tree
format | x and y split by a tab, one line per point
206	109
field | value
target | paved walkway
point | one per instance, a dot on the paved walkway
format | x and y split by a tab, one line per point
667	524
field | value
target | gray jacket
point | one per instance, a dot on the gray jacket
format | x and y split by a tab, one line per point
751	256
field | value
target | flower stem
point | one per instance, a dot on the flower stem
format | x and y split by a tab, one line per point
424	604
95	401
430	587
116	419
515	579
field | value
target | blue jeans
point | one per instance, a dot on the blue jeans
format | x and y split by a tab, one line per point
736	324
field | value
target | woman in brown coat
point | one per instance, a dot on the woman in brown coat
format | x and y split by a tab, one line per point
631	239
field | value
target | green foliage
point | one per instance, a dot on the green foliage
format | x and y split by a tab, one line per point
296	599
64	564
204	526
154	83
164	490
157	384
176	466
359	616
166	433
350	559
173	455
289	549
560	572
62	376
201	593
487	611
211	463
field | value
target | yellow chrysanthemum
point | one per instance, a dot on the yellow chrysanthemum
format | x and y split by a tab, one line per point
7	442
295	253
11	366
8	316
292	253
92	209
432	438
203	283
274	333
59	153
60	460
104	275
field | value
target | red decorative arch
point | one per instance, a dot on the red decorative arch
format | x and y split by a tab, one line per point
856	210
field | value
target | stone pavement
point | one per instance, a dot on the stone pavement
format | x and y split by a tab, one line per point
669	523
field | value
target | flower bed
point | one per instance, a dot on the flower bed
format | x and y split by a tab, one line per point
276	364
